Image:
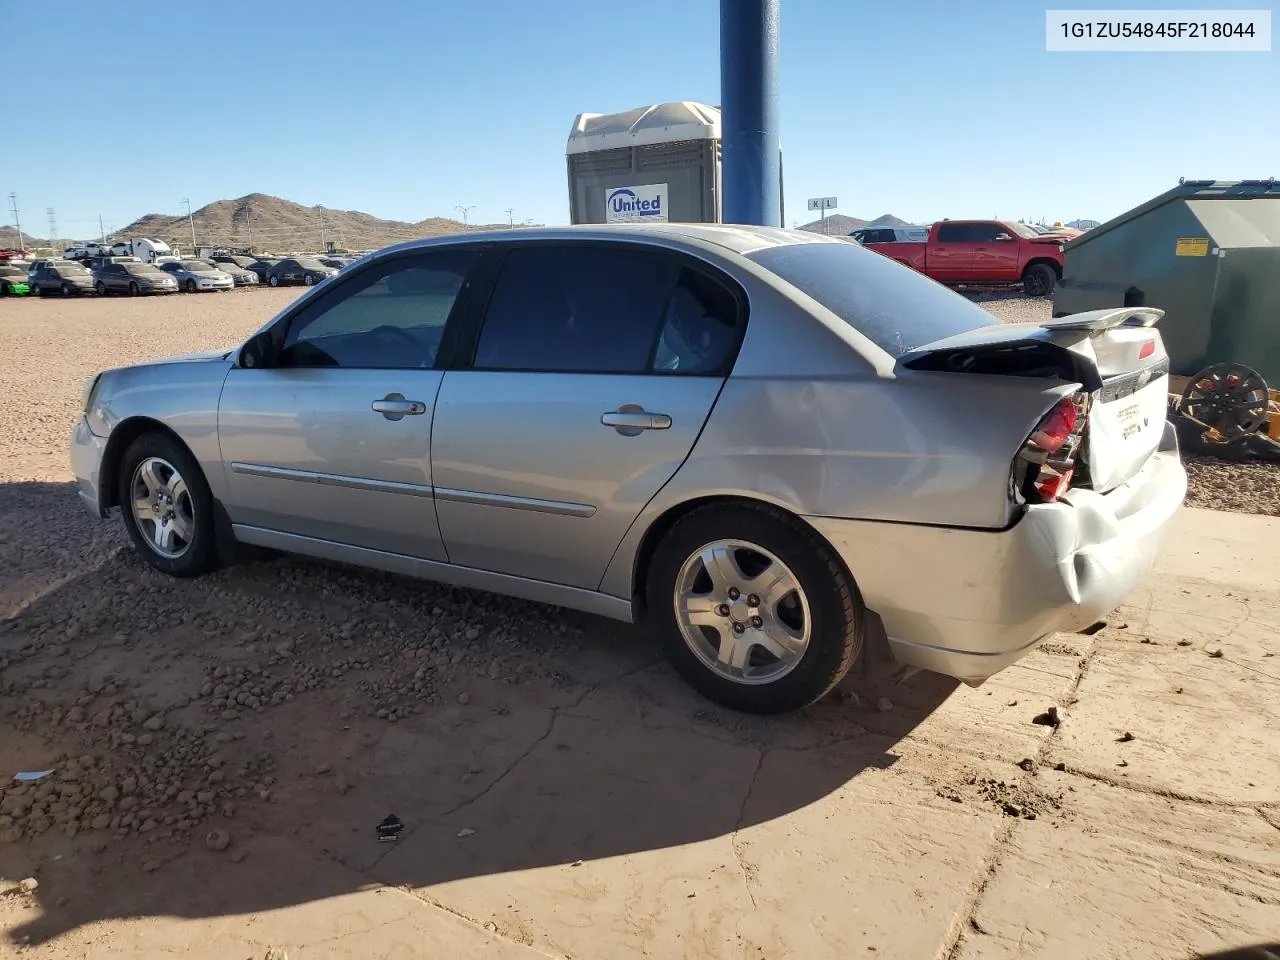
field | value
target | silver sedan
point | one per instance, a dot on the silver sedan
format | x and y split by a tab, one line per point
778	449
194	276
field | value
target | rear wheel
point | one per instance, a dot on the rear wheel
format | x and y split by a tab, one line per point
1038	280
308	279
191	286
167	506
100	288
133	289
273	280
66	290
753	608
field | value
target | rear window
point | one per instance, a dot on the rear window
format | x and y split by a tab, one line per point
889	304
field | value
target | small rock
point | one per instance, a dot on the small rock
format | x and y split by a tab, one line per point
1177	689
1184	643
1122	763
150	866
275	953
1216	653
321	769
464	698
884	704
29	885
576	863
128	785
1012	809
465	832
1124	737
473	633
1027	764
154	723
847	697
1060	766
217	839
1049	718
1012	703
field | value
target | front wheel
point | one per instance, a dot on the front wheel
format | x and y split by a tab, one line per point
191	286
274	281
66	290
100	288
1039	280
308	279
167	506
134	290
753	608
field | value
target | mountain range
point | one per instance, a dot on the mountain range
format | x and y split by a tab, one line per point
840	225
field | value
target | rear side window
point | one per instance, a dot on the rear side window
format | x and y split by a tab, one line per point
889	304
584	309
953	233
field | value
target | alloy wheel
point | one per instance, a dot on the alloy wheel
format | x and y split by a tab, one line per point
162	507
742	612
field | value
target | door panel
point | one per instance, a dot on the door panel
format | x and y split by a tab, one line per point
530	482
305	453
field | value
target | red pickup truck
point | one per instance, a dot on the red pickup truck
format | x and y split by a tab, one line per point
983	252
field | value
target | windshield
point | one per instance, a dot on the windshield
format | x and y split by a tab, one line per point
72	270
1022	230
892	305
196	266
141	268
308	264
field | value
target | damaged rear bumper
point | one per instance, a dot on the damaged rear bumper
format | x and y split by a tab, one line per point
968	603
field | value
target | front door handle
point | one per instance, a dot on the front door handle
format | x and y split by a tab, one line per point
630	420
395	407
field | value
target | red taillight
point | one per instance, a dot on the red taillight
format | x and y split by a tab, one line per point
1052	433
1046	466
1147	350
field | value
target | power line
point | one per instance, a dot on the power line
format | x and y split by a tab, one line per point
53	229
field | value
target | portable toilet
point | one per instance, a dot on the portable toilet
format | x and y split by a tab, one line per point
651	164
1207	252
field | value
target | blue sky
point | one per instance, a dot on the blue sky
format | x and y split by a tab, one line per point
922	108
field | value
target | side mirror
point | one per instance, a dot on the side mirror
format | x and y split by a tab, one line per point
258	351
1003	237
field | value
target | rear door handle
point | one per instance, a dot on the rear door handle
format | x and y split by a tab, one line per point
395	407
631	420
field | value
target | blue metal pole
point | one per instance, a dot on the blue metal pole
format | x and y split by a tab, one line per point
749	112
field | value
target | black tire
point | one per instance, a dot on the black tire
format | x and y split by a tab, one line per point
308	279
835	606
1038	280
134	289
66	290
273	280
201	554
100	288
35	290
191	286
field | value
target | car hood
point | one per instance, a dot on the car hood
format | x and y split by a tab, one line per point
204	355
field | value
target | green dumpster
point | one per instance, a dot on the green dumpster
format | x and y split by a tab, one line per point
1207	253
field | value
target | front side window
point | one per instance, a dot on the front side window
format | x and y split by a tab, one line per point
391	316
602	309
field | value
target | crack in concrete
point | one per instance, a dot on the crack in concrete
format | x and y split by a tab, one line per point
1165	792
425	900
743	867
965	917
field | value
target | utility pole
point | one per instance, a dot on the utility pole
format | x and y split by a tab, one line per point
192	224
53	230
323	248
511	223
464	211
249	211
102	230
752	160
13	206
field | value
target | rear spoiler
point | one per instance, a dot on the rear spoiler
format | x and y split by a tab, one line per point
1096	320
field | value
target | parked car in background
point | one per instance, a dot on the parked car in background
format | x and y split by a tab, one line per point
65	277
825	452
196	275
871	235
983	252
234	259
13	280
299	270
76	253
97	263
239	275
262	267
132	277
338	263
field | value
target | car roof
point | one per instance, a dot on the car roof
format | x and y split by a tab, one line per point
736	238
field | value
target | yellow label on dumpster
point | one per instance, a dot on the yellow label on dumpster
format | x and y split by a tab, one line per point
1192	247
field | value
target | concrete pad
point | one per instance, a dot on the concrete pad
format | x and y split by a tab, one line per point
1129	876
659	843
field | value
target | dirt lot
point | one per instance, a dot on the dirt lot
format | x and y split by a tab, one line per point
223	750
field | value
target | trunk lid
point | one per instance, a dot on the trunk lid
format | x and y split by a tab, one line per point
1116	355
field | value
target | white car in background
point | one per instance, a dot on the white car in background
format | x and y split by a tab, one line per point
196	275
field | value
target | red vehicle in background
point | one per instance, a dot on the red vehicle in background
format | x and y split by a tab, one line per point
982	253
